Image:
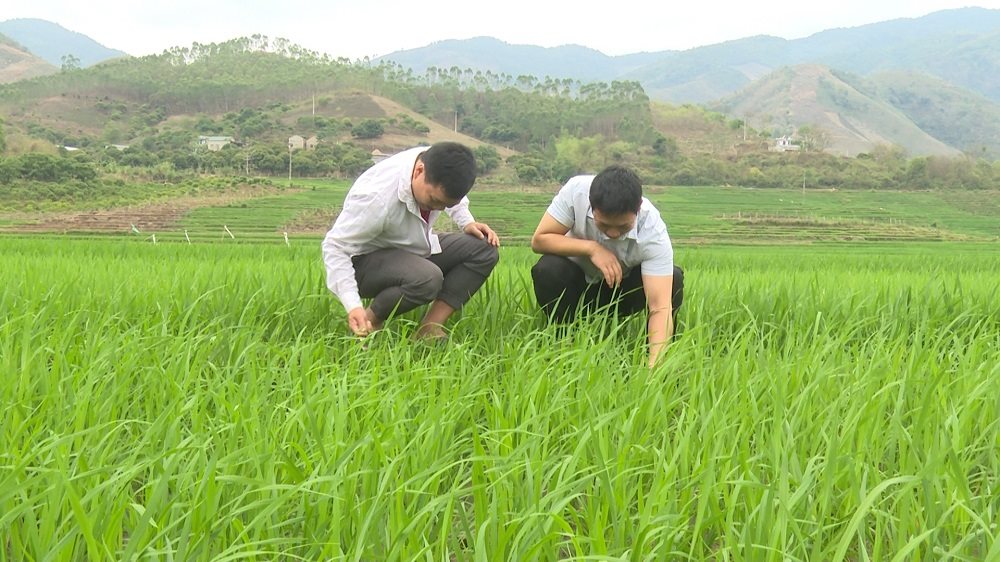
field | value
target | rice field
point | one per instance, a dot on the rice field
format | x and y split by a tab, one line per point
695	215
204	402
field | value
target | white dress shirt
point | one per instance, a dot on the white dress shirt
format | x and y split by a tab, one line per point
380	212
646	245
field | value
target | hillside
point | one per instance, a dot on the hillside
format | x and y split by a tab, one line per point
250	88
961	46
955	116
16	63
711	72
853	120
51	42
73	117
974	64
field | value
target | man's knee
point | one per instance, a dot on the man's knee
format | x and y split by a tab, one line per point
551	270
475	254
425	284
487	258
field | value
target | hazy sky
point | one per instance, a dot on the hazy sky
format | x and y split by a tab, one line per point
359	28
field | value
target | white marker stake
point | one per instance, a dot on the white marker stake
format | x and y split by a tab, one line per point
186	236
286	240
154	239
229	233
134	229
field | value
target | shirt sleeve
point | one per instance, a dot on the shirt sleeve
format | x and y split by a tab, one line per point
361	220
460	213
561	207
658	254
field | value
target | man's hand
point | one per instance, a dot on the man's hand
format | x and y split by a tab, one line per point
483	232
607	262
360	322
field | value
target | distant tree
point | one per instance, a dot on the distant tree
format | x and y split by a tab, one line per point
368	129
666	147
487	158
70	62
813	138
917	174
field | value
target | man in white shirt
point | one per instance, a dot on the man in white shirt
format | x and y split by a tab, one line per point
604	244
381	246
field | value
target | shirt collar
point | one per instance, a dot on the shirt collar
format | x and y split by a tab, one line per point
404	189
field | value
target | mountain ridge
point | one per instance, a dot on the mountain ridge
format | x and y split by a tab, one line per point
51	42
681	76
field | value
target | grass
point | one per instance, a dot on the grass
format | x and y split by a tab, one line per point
204	402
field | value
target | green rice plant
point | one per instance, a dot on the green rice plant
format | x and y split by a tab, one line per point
205	402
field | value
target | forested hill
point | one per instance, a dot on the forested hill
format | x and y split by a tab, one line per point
255	73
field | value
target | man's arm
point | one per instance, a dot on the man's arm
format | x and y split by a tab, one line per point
359	222
461	215
660	327
550	238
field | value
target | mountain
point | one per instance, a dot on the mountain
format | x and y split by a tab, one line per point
16	63
706	73
52	42
961	46
848	112
499	57
956	116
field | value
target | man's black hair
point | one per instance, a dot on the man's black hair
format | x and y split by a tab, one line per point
616	190
450	165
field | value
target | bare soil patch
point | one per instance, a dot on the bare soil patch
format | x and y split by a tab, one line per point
162	215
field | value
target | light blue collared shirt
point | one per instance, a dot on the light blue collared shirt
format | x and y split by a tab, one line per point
647	245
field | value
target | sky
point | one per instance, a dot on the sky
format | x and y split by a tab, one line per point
359	28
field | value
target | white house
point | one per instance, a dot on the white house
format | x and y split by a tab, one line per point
296	142
378	156
784	144
214	144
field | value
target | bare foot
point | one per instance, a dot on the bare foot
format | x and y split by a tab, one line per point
431	332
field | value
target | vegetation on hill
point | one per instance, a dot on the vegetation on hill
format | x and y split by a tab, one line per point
961	47
961	118
846	107
259	92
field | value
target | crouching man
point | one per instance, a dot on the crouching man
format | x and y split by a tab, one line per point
382	246
604	245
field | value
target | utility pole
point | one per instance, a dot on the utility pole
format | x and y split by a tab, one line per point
289	164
